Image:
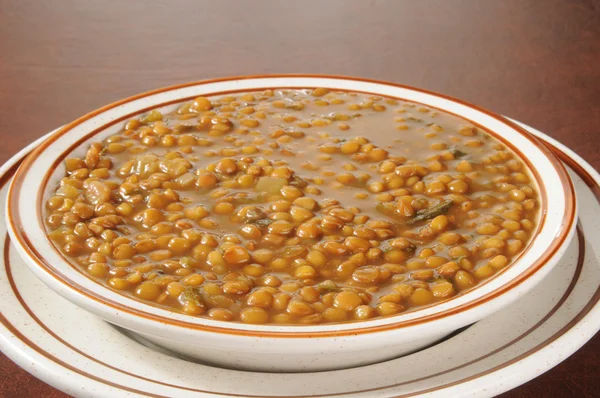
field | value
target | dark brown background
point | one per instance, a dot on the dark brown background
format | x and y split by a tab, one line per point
536	61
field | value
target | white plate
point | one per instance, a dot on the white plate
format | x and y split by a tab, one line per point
84	356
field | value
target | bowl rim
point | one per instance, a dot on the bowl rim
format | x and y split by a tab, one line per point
20	237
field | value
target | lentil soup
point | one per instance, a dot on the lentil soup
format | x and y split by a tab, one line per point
294	207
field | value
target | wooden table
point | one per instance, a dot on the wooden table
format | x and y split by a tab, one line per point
536	61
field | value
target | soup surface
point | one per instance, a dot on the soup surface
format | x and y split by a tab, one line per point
294	207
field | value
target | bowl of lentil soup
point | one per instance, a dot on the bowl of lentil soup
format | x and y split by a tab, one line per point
228	219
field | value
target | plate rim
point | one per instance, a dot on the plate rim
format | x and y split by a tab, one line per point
581	331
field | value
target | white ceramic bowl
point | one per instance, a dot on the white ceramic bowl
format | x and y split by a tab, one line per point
271	347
